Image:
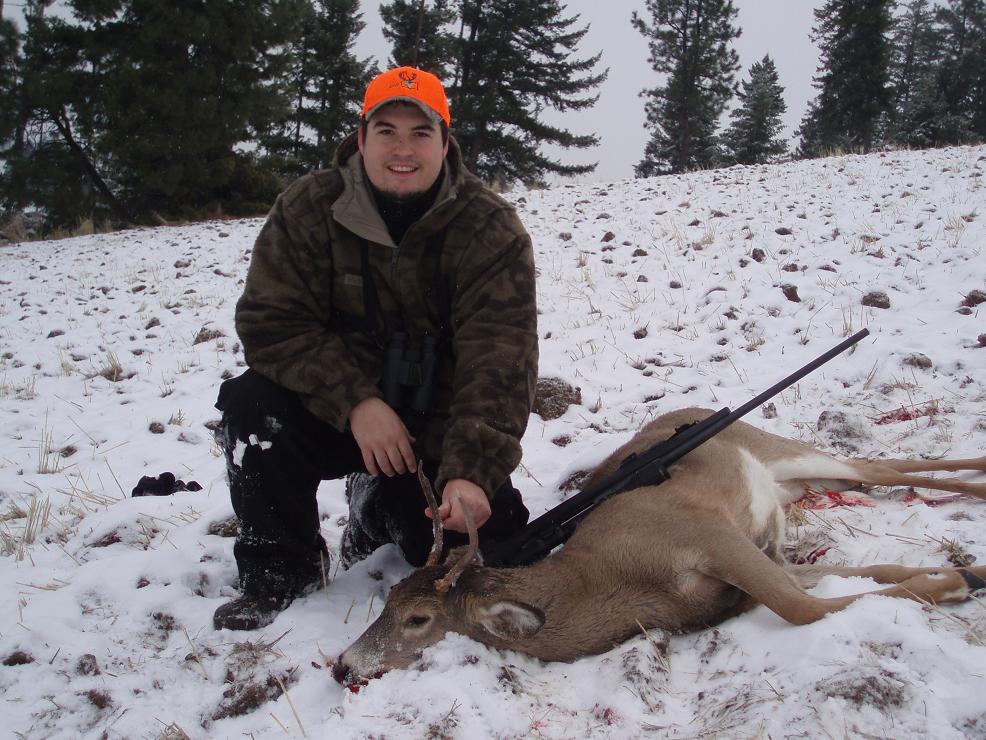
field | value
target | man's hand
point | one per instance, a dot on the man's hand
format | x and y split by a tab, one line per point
472	496
382	437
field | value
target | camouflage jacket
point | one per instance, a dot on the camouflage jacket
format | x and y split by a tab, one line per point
306	270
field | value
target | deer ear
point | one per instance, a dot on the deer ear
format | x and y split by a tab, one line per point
511	620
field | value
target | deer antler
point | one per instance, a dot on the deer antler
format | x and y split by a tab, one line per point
436	519
443	585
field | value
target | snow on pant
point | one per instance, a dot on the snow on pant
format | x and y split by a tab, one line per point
277	452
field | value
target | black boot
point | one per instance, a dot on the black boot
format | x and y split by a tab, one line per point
250	612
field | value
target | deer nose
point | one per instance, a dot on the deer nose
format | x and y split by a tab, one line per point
342	673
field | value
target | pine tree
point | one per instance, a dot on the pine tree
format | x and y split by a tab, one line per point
326	84
10	59
963	78
419	34
52	160
514	60
917	115
689	43
188	82
754	136
852	81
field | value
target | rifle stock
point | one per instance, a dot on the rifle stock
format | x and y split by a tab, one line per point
648	468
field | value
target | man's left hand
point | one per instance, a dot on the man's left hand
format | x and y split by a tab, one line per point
471	495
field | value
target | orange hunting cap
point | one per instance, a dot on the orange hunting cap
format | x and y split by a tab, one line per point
411	85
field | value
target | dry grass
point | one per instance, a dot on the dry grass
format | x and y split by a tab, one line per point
49	458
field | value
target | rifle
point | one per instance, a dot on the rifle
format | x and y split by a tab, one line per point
648	468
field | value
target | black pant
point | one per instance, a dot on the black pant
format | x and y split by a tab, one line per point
277	452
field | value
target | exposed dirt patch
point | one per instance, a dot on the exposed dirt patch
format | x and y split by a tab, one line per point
553	397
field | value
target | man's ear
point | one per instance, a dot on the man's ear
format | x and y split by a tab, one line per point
359	137
510	620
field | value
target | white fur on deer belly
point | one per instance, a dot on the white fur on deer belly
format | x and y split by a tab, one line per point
765	495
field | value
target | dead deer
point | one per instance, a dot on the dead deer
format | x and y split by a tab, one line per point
690	553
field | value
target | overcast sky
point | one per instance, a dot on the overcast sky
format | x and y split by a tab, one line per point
776	27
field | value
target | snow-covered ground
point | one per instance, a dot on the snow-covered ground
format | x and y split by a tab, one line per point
654	295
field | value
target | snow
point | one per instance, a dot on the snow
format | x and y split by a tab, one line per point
650	300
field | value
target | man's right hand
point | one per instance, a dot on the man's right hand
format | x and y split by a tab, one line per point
382	437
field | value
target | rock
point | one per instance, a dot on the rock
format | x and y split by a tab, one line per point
769	411
982	340
876	299
608	236
86	665
791	292
974	298
783	231
18	657
758	255
844	431
553	396
674	285
918	360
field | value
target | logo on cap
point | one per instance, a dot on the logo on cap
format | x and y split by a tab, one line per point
408	80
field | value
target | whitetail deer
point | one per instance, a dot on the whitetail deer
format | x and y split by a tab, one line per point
702	547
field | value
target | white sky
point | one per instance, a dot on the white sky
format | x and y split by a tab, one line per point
776	27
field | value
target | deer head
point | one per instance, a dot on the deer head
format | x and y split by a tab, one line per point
432	601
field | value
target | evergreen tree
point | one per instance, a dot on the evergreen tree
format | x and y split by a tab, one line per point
187	83
963	72
755	134
52	160
689	43
853	36
9	74
419	34
326	84
917	115
514	60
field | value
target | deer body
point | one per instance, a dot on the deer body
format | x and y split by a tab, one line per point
701	547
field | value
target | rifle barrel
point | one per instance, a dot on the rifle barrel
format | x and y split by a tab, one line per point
553	527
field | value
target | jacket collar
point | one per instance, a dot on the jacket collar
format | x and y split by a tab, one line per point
356	210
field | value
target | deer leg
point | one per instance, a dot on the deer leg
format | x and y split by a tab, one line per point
927	466
808	576
893	473
737	561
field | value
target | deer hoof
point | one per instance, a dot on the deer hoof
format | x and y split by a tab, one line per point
977	586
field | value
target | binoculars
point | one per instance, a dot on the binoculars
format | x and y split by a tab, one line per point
409	374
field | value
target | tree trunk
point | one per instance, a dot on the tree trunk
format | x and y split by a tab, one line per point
64	128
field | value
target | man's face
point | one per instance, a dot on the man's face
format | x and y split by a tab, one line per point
403	151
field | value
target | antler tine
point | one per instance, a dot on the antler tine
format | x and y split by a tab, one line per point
436	519
443	585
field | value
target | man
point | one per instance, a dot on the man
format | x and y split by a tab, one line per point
388	316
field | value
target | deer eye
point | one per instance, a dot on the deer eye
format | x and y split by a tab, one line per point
417	620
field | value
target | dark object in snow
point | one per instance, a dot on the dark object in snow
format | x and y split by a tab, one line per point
974	298
87	665
791	292
844	431
876	299
553	397
164	485
18	657
918	360
758	255
982	340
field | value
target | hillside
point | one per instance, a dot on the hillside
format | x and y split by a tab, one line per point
699	290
